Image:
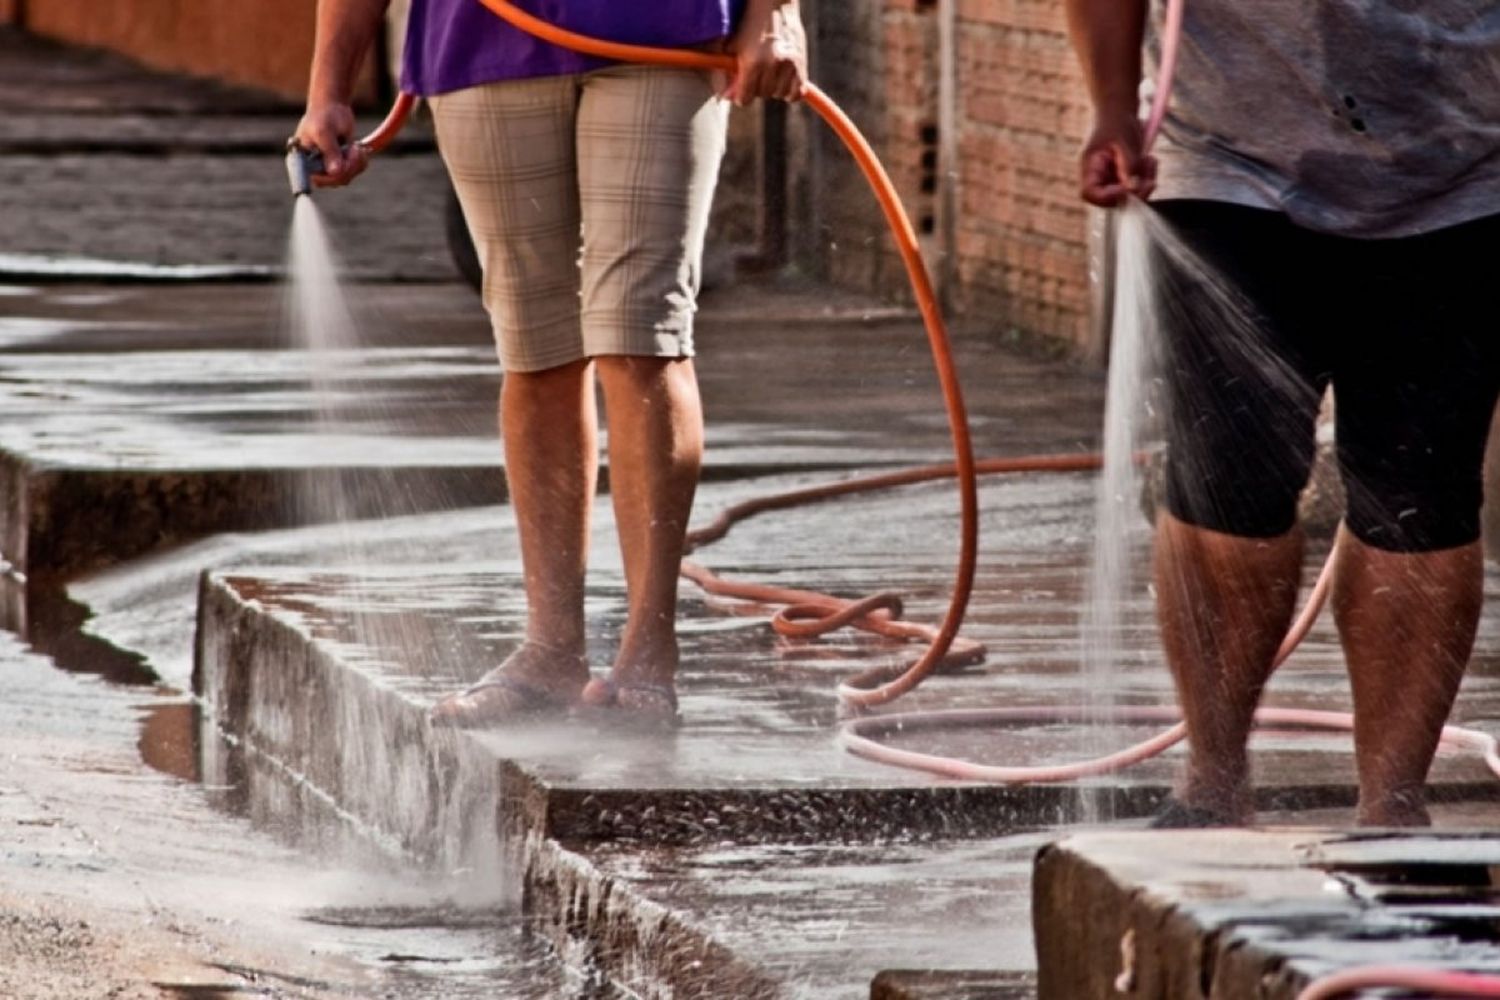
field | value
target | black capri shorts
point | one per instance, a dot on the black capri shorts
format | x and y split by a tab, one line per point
1405	330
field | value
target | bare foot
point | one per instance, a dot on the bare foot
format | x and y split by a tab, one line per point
534	680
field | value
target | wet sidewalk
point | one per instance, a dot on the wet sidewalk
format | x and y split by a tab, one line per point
320	552
1241	914
319	649
745	848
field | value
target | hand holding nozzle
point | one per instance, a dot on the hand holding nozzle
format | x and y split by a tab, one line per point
322	153
1114	164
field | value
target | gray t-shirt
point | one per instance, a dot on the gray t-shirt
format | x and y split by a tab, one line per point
1370	118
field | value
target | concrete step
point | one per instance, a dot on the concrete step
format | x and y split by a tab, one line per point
746	833
944	985
1241	914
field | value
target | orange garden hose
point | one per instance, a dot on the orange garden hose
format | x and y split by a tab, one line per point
932	318
873	614
394	120
806	613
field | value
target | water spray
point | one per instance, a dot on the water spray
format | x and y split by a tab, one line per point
808	613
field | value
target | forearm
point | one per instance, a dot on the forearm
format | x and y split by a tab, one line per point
346	30
1107	36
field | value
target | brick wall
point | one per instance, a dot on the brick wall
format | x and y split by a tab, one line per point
1017	235
259	43
1022	114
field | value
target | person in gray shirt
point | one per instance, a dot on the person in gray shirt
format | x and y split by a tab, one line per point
1336	163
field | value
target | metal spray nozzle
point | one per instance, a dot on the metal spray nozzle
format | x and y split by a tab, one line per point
301	164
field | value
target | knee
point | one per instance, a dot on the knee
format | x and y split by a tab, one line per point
631	366
1414	514
645	374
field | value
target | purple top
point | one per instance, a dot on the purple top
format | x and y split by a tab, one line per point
452	44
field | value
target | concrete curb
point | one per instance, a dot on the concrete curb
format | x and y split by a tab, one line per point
1252	914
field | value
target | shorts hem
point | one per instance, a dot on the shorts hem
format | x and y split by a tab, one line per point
523	362
652	344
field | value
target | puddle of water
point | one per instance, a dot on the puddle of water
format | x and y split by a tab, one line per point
405	933
52	623
169	739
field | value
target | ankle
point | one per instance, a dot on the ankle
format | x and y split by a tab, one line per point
647	662
1223	792
1406	807
544	666
558	643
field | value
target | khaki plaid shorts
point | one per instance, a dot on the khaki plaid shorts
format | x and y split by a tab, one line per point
587	197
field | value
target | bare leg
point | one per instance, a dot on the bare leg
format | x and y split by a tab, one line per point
549	429
1223	604
1407	621
655	452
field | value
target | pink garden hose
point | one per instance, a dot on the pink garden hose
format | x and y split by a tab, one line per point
1433	982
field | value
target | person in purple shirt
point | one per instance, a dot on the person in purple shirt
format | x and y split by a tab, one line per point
586	186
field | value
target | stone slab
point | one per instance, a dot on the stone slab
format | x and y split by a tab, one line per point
106	456
1233	915
617	840
137	418
808	920
120	318
753	690
945	985
134	419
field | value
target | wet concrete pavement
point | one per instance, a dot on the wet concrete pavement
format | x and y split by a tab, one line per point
130	367
118	880
336	844
1260	914
136	419
611	831
752	787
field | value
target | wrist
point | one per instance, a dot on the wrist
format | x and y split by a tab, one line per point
1116	116
332	80
1116	104
327	96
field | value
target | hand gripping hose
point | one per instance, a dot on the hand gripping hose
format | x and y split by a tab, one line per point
808	613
